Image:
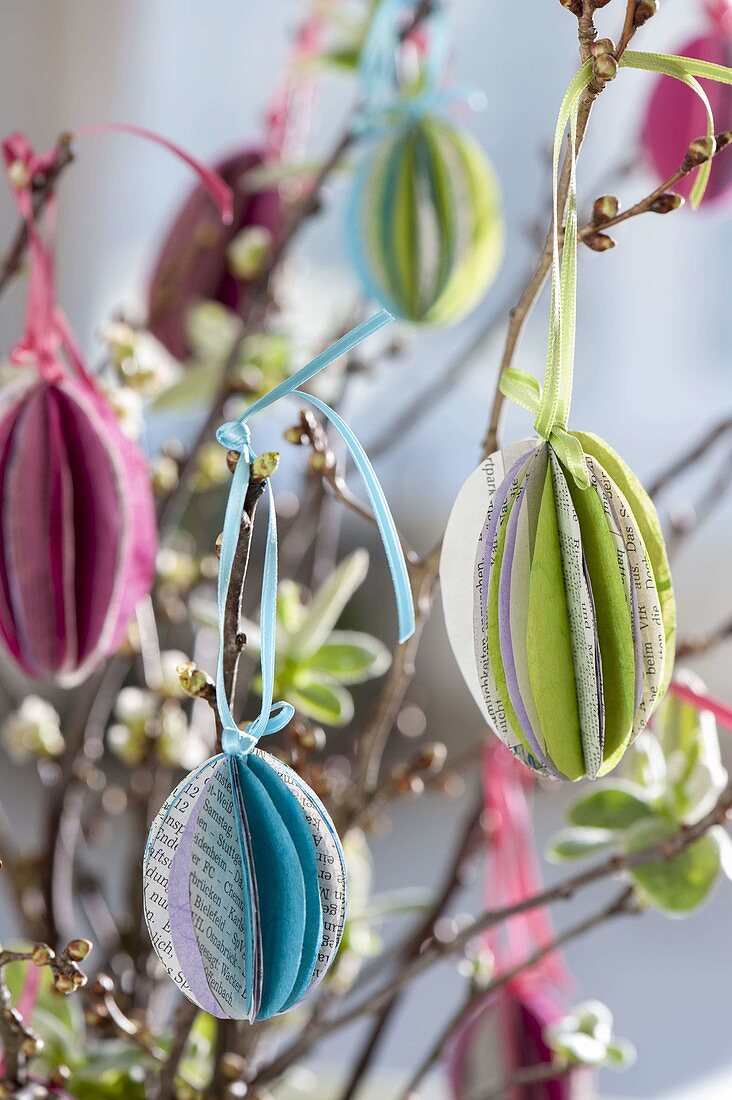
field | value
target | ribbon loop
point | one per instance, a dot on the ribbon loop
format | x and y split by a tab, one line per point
235	435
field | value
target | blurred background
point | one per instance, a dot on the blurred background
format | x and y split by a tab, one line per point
652	375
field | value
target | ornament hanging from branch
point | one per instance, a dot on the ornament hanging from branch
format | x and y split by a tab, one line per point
77	510
424	223
555	579
244	876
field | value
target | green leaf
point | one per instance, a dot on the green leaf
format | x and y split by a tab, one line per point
291	612
615	808
320	699
350	657
679	884
570	844
197	386
328	603
392	903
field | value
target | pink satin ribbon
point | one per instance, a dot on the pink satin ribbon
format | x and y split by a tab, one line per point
47	332
702	701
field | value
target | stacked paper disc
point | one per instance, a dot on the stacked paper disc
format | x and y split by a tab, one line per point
245	887
559	605
425	223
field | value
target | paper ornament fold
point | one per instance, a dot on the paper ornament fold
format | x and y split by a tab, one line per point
559	605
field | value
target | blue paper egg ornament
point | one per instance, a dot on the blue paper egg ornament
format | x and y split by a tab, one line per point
244	877
425	225
245	887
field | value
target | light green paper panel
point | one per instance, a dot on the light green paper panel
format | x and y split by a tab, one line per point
443	206
549	645
402	251
646	518
493	639
614	629
482	255
650	612
520	586
581	620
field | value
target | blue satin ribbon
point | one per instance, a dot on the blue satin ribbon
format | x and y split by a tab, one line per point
235	436
380	52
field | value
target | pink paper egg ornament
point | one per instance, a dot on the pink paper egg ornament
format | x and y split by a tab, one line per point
78	533
675	116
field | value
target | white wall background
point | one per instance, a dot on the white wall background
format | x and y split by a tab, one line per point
653	367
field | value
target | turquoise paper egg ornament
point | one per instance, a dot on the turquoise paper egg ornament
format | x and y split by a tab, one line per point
425	225
245	887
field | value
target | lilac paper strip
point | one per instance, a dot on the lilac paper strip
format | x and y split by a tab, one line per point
489	533
181	918
504	632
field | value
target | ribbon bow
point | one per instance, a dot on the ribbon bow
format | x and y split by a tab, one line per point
235	435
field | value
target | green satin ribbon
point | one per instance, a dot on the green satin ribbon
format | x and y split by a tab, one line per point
552	403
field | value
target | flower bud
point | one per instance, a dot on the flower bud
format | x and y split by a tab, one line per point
574	6
599	242
42	954
296	436
232	460
18	175
31	1045
321	461
78	949
60	1077
605	208
194	681
164	474
249	252
265	465
64	982
722	139
409	784
605	67
233	1067
602	46
310	738
665	203
430	758
699	152
644	10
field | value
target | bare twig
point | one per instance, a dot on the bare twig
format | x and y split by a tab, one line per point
183	1020
433	953
689	458
624	904
521	1078
43	187
411	948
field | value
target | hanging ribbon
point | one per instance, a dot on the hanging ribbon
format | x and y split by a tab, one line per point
551	404
47	331
235	436
701	701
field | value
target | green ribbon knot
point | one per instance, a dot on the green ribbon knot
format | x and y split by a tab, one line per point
524	390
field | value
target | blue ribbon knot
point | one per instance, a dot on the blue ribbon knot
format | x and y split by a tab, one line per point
235	436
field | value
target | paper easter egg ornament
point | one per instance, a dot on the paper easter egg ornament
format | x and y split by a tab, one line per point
76	504
244	877
424	223
555	581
